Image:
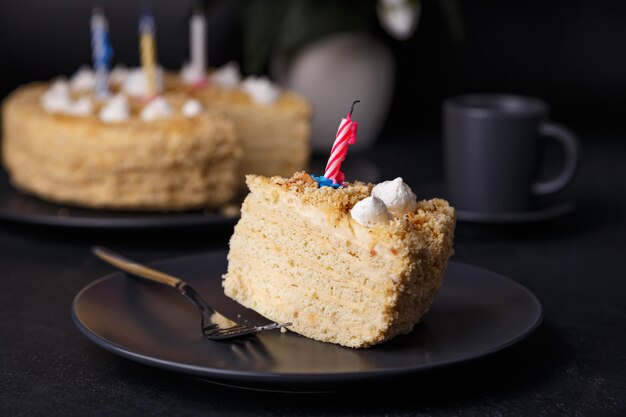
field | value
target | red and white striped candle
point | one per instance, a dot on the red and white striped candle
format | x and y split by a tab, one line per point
346	135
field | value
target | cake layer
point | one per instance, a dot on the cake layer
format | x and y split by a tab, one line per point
297	256
307	274
170	164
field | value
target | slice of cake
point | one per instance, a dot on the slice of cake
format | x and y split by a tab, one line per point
356	265
63	145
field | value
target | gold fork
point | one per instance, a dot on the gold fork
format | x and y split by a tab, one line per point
214	325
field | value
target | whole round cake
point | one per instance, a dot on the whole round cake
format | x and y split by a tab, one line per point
187	146
122	153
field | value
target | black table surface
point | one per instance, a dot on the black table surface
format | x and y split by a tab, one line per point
574	363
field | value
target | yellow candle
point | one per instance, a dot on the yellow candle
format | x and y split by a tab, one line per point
147	42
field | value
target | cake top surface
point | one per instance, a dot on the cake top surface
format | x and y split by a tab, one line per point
127	99
337	205
30	97
423	226
220	96
307	190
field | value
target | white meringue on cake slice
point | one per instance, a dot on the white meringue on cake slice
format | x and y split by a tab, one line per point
397	196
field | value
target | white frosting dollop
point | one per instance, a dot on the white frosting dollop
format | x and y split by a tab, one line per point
192	108
397	196
370	211
227	76
57	99
118	74
192	74
158	108
116	110
135	83
261	89
83	80
81	107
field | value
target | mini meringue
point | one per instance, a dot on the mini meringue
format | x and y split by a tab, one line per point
397	196
227	76
158	108
83	80
136	85
261	89
57	99
370	211
116	110
192	108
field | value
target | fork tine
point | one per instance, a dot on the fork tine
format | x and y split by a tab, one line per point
214	328
229	332
220	334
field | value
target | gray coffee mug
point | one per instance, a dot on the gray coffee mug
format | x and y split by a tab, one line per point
491	151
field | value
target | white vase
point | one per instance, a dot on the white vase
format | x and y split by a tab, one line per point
332	73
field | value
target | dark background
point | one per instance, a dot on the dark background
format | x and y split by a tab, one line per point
570	53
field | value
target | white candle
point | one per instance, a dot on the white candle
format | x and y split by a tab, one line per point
197	37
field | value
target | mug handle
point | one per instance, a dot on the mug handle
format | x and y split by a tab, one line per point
570	144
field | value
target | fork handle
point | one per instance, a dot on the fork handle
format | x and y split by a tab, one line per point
135	268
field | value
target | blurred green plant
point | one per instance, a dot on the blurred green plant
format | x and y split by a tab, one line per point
284	26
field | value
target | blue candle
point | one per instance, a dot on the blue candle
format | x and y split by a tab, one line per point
102	52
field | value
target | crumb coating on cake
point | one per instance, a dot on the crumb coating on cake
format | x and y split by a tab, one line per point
297	255
176	163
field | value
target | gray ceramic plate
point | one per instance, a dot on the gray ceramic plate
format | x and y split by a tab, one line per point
476	313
